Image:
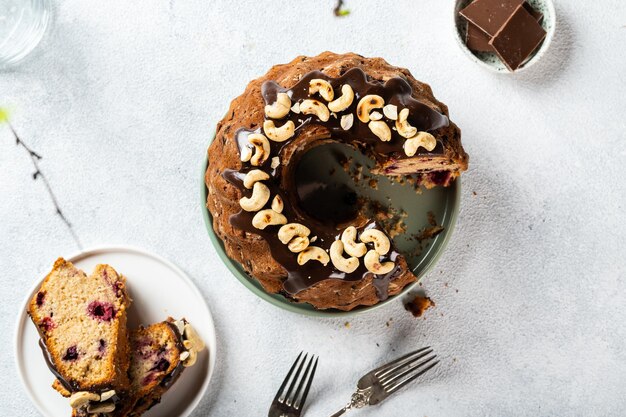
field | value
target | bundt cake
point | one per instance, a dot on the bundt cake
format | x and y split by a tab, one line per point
365	103
82	324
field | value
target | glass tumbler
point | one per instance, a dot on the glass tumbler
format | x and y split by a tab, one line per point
22	26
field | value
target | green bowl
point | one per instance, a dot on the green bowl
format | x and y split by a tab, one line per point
443	202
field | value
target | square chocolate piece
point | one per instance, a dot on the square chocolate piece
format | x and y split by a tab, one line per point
490	15
478	41
518	38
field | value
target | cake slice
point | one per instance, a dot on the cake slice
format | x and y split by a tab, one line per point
159	354
82	324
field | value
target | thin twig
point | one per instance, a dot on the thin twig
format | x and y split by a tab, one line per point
35	158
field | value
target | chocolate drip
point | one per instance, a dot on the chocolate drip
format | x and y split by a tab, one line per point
396	91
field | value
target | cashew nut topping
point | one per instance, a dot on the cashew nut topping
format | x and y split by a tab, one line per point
246	154
191	360
313	253
187	344
180	325
280	108
347	120
260	195
315	107
184	355
81	398
277	204
267	217
192	335
380	129
107	395
279	134
107	407
288	231
298	244
423	139
348	238
366	105
403	126
261	149
372	263
346	265
254	176
391	111
296	108
376	115
323	87
275	162
381	241
344	101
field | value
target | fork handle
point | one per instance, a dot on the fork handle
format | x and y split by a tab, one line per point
341	412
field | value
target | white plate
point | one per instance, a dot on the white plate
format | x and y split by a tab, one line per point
158	289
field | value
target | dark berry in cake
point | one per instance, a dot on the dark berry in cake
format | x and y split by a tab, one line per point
101	310
71	354
41	297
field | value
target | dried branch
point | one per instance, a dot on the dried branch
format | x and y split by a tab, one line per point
38	174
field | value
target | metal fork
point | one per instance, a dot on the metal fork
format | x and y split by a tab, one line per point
287	405
381	382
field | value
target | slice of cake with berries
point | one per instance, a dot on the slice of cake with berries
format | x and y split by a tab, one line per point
81	320
159	354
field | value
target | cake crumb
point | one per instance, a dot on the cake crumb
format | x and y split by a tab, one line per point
347	324
373	184
419	305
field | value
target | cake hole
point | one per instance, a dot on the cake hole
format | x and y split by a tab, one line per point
321	193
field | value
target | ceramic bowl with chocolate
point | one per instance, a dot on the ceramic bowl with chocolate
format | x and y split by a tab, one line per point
252	189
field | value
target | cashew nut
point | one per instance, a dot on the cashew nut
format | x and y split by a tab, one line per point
296	108
246	154
344	101
184	356
277	204
380	129
403	126
366	105
267	217
107	407
346	265
192	335
323	87
107	395
381	241
191	360
347	120
260	195
280	108
279	134
313	253
423	139
262	149
288	231
376	115
348	238
372	263
298	244
82	398
315	107
254	176
391	111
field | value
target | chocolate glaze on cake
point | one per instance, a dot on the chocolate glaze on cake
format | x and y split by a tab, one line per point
260	251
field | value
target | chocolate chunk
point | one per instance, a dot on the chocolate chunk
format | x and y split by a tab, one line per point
490	15
518	38
478	41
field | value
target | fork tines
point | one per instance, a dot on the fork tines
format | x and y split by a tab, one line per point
295	400
405	369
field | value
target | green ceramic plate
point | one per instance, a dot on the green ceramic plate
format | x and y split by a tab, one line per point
322	164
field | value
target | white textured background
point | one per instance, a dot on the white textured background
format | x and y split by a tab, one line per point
122	99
